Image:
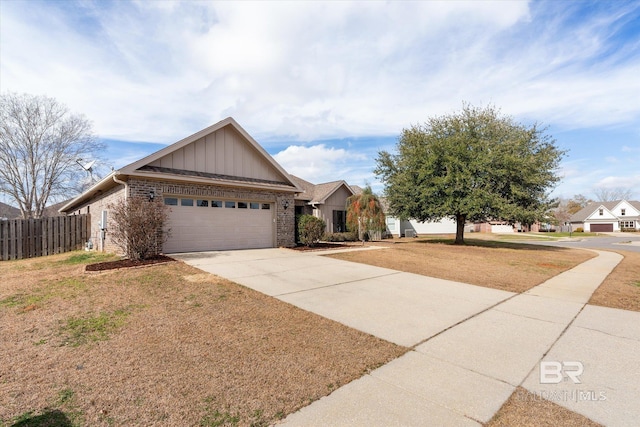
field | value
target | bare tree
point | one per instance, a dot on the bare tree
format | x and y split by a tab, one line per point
611	194
136	226
576	203
40	141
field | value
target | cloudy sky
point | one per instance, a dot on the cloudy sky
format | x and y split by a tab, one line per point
324	86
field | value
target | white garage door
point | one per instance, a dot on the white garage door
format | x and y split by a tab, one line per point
209	224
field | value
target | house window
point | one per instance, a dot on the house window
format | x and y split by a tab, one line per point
216	203
242	205
186	202
627	224
230	205
254	205
623	211
203	203
600	211
171	201
339	221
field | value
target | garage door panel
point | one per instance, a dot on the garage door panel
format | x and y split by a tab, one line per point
601	227
207	228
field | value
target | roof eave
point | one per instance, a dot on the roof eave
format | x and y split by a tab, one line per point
210	181
105	183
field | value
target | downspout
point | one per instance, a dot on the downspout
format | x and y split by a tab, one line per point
103	230
126	186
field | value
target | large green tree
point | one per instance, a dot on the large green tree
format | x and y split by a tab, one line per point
472	165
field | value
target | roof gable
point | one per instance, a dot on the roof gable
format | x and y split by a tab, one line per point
224	149
611	210
324	191
629	207
321	192
606	213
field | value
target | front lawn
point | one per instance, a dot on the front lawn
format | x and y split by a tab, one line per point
163	345
490	263
621	289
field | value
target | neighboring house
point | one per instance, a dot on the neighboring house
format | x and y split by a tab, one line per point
223	189
326	201
412	227
608	216
8	212
400	228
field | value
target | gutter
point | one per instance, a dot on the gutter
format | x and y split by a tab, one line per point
126	186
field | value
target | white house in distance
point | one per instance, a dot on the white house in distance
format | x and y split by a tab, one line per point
608	216
399	227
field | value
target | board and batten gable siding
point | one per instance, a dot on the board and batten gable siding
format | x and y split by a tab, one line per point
337	201
223	152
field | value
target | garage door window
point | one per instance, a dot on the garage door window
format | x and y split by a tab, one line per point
242	205
266	206
171	201
202	203
230	205
216	203
254	205
186	202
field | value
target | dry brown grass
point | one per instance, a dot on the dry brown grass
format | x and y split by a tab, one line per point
621	289
499	265
164	345
525	409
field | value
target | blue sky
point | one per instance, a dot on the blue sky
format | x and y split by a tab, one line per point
324	86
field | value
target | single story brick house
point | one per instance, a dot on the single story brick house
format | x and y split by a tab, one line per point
223	189
608	216
326	201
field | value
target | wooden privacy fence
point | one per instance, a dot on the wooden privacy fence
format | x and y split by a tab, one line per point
28	238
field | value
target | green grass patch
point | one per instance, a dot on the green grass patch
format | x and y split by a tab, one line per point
83	330
86	258
637	284
22	300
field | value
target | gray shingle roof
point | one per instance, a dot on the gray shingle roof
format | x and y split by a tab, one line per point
9	212
318	193
583	213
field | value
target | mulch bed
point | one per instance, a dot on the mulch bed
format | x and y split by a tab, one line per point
321	246
127	263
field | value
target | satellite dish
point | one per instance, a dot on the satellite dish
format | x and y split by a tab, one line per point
87	167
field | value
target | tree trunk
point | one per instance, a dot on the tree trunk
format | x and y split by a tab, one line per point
461	219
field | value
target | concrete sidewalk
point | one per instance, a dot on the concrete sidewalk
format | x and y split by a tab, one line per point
471	346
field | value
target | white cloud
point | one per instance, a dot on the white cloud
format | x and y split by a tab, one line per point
309	71
319	163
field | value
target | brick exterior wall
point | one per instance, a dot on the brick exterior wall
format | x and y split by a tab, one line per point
95	208
285	218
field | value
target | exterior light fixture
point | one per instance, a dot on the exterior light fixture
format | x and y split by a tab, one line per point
285	204
152	195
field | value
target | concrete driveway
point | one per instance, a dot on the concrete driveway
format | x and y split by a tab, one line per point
403	308
470	346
